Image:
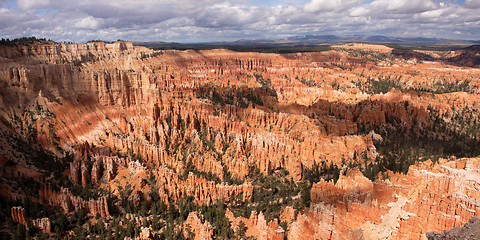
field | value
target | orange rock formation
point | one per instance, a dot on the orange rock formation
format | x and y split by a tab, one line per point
18	215
200	230
70	203
257	226
431	197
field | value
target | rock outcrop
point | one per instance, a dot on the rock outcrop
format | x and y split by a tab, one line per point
352	187
200	229
256	226
18	216
43	224
431	197
96	167
471	230
172	188
70	203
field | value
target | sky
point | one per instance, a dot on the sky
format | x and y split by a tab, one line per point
190	21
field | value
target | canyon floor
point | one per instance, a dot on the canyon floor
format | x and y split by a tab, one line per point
115	141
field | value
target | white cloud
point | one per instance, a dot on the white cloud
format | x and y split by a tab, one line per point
359	11
401	6
29	4
88	23
215	20
432	14
223	15
410	6
328	5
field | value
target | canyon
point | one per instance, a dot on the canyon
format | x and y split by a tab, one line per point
358	142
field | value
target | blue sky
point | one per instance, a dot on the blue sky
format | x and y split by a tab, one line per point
225	20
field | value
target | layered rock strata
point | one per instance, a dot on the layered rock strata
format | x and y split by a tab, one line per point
431	197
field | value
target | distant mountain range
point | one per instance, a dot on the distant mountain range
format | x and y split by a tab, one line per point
309	40
418	41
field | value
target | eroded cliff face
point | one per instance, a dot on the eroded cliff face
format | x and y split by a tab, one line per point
431	197
147	102
145	126
156	104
